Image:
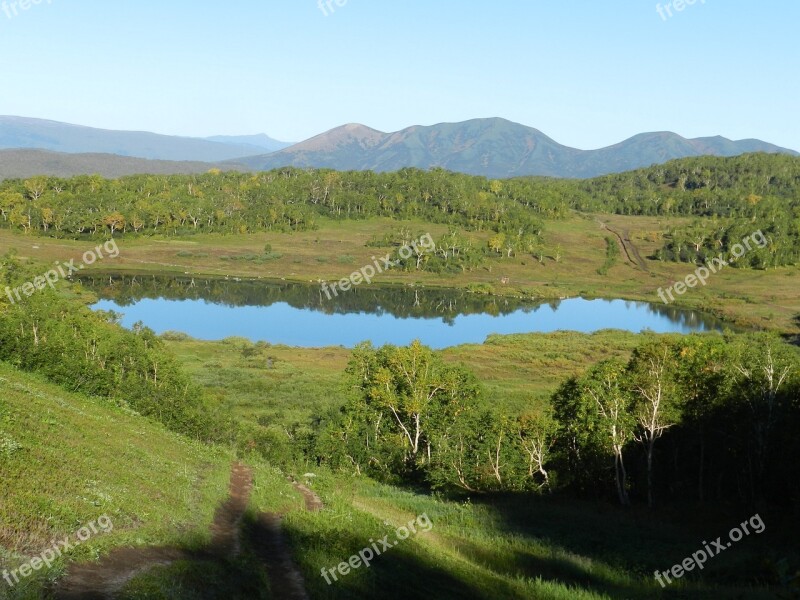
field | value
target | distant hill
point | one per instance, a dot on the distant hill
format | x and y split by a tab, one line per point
22	132
27	163
494	148
260	143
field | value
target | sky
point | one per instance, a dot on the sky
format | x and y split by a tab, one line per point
587	73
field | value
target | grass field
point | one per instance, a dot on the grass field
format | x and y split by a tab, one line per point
67	460
765	299
284	385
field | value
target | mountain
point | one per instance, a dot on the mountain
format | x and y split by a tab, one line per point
494	148
27	163
22	132
260	143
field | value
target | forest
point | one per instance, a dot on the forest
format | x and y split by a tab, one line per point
687	419
723	197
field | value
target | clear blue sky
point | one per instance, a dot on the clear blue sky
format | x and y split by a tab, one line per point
588	73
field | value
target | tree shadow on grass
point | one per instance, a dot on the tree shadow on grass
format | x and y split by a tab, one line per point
634	543
397	574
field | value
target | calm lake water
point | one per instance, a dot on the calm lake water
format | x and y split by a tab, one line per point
300	315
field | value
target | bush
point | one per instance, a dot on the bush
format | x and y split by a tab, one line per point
174	336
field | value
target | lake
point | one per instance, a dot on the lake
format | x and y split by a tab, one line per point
301	315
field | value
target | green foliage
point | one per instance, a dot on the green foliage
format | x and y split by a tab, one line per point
738	187
85	351
409	418
282	200
612	255
595	422
753	190
412	417
719	403
767	240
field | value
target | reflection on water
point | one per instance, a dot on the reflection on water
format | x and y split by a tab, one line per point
301	315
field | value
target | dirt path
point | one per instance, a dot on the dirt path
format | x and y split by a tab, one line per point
225	540
631	251
313	502
266	537
102	580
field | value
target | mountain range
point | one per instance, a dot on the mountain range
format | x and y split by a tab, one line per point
30	162
22	132
494	148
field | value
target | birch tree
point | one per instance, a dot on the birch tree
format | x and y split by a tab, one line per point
656	406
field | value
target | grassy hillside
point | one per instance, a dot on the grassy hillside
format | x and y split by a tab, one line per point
513	548
66	460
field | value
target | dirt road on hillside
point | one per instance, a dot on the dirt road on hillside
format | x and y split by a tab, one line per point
104	580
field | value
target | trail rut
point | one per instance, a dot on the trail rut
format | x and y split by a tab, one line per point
631	251
104	580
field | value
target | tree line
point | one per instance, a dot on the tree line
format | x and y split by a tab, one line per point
703	418
761	189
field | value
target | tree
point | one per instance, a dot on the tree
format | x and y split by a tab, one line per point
595	416
762	369
115	222
537	436
36	187
605	384
656	405
413	394
497	242
704	386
